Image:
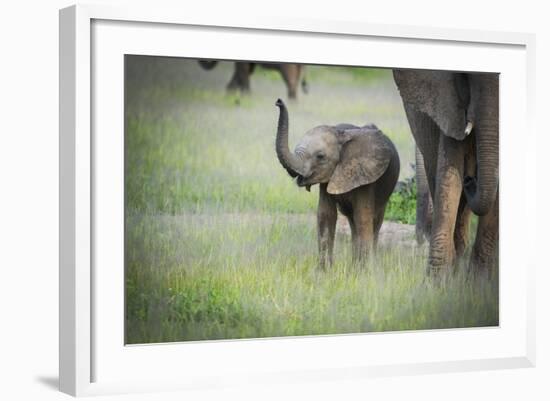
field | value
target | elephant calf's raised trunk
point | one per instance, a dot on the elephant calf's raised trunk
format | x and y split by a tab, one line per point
288	160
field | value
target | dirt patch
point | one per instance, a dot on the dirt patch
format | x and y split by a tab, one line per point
391	233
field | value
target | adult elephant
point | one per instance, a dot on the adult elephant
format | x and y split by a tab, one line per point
292	74
454	119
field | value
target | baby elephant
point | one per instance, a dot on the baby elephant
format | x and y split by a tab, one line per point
357	169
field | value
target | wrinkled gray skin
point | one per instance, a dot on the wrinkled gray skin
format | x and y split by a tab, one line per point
454	121
356	169
292	75
424	206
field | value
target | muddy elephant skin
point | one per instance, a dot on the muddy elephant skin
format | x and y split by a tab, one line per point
454	118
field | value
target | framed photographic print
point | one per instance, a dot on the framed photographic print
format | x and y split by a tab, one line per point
266	200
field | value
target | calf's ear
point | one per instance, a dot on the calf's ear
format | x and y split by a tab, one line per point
365	156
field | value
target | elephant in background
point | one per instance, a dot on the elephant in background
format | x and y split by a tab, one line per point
356	169
454	118
292	74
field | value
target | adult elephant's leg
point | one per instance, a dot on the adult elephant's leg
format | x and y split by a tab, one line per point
241	77
363	216
424	207
450	172
234	82
426	136
326	226
302	78
291	76
484	252
462	229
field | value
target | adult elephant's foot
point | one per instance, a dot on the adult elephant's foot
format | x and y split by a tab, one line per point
440	261
439	274
481	268
324	264
484	258
443	253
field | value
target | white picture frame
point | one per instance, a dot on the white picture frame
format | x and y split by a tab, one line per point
92	356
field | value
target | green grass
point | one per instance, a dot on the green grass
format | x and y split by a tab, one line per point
196	277
220	243
402	204
191	146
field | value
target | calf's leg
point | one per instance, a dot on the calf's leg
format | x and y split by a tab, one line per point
326	226
363	217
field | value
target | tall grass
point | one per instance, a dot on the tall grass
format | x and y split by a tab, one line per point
196	277
220	243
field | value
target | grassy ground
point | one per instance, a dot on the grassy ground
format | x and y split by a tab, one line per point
220	243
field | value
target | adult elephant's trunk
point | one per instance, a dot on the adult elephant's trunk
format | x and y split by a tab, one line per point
208	64
290	162
484	114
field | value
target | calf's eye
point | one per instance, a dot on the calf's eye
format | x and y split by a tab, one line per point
320	156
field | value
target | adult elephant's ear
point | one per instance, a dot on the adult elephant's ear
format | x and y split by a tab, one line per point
442	95
365	156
